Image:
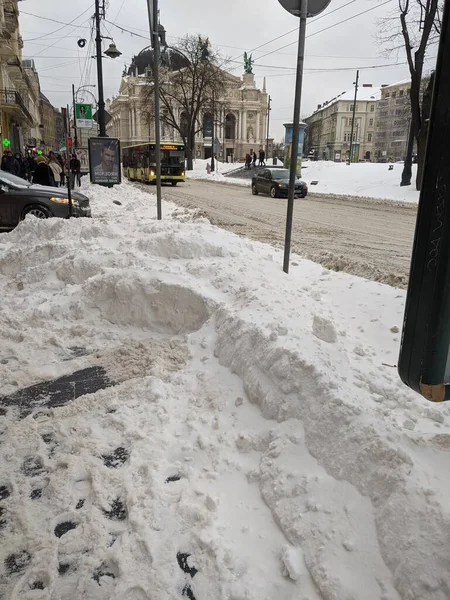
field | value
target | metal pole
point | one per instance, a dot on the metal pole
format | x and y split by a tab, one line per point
68	175
268	126
74	118
295	132
213	166
353	117
101	99
155	36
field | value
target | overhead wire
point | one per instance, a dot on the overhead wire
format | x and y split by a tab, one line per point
55	21
327	28
322	16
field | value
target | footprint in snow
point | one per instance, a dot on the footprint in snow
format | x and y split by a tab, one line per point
82	493
117	458
136	593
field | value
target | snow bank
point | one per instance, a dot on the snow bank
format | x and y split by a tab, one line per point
254	440
366	180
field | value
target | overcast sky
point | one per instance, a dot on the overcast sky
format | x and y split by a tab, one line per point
332	56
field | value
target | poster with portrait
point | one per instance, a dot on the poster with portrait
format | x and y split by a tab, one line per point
83	156
104	161
83	115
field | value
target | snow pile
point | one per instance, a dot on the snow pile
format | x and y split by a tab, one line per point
252	439
366	180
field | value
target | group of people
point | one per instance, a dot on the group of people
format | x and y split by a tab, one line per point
251	158
49	171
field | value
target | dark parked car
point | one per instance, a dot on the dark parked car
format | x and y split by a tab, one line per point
276	182
19	198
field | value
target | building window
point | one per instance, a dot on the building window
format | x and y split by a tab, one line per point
350	107
396	134
207	125
387	95
370	122
394	94
372	108
230	127
401	92
349	122
184	125
369	137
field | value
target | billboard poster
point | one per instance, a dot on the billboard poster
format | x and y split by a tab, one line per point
83	157
104	161
83	116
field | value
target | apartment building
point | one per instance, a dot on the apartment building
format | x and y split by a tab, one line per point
393	120
330	126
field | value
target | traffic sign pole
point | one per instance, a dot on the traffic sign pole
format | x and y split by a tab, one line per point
295	132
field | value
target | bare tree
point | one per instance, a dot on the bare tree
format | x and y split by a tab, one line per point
415	27
187	91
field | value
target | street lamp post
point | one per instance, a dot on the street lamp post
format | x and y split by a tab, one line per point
112	52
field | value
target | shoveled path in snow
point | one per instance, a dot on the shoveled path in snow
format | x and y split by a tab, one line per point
365	237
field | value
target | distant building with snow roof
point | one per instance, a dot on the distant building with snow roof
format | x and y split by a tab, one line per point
330	126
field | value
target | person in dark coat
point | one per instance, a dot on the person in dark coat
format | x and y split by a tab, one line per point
31	166
43	173
75	170
9	163
254	159
23	165
262	158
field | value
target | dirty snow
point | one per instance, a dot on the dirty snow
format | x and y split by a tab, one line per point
257	442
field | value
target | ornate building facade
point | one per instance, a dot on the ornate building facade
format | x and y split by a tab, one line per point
240	116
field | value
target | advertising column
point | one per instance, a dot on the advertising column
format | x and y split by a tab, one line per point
289	128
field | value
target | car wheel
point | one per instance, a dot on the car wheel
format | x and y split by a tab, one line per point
174	182
38	211
254	190
273	192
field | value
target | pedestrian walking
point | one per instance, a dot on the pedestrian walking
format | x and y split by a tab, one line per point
9	163
31	166
62	165
262	158
248	161
254	160
75	171
23	165
56	169
43	174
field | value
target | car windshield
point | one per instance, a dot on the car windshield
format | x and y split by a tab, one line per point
280	174
9	179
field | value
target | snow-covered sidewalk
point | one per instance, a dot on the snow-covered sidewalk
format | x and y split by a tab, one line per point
252	441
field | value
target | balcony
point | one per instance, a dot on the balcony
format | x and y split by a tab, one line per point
11	101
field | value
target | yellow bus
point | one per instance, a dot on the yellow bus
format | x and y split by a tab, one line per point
139	162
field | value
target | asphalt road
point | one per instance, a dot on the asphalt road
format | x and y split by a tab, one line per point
365	237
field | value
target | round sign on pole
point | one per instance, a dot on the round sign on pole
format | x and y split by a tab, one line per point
314	6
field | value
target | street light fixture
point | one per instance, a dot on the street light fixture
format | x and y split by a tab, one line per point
112	52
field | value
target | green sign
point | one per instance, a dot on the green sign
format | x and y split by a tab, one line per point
40	152
6	142
83	115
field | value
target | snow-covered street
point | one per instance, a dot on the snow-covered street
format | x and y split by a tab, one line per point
365	237
252	439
